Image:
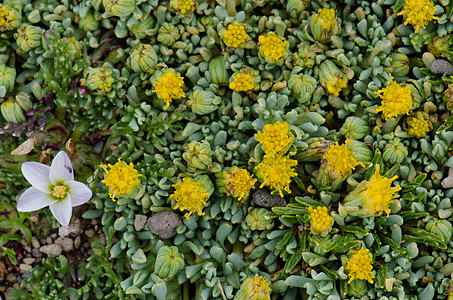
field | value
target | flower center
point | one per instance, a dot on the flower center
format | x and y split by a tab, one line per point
59	191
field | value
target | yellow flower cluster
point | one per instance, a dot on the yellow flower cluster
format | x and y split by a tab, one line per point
276	172
235	35
121	179
273	46
8	18
418	124
239	183
169	86
418	13
321	221
360	266
340	160
396	99
328	16
256	288
275	138
184	6
379	193
242	82
190	195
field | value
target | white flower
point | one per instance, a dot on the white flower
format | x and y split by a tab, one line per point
53	186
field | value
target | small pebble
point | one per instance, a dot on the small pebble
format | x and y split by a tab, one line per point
67	244
441	66
163	224
102	239
262	198
24	268
77	242
11	278
49	240
36	253
35	243
52	250
90	233
29	261
139	222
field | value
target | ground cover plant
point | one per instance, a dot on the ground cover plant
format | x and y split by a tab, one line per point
252	149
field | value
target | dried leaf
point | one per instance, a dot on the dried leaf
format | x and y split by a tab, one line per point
26	147
44	157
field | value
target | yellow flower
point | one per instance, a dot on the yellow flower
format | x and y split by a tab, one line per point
190	195
168	86
379	192
418	13
360	266
321	221
256	288
183	6
9	18
276	172
239	183
121	179
242	82
332	78
273	46
275	138
419	124
235	35
339	160
396	99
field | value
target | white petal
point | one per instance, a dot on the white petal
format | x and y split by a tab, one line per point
33	199
61	168
62	210
38	175
79	192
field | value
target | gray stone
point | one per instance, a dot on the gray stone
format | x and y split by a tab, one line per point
139	222
67	244
52	250
35	243
77	242
163	224
262	198
90	233
442	66
11	278
36	253
29	261
24	268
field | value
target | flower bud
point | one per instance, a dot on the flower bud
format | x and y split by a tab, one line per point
169	262
399	65
12	111
168	34
235	35
256	288
361	151
28	37
198	155
442	228
418	124
119	8
100	80
357	288
332	78
355	128
315	150
143	58
9	18
321	221
219	74
304	57
302	87
296	7
88	22
448	96
324	25
247	79
203	102
440	44
273	48
73	48
24	101
139	28
7	77
260	219
394	151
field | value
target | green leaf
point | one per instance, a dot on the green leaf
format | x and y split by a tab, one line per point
139	257
354	229
382	275
395	246
288	210
293	261
329	272
410	215
93	214
287	238
308	201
